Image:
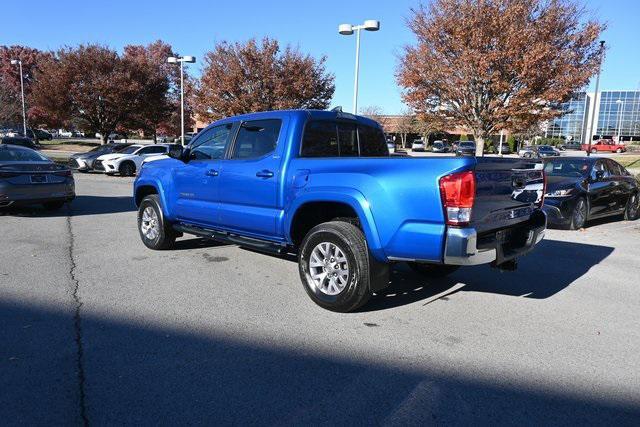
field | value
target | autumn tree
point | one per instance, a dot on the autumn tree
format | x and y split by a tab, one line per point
376	113
256	76
508	67
10	97
91	83
159	104
405	124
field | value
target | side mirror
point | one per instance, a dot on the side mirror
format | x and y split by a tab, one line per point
599	175
176	152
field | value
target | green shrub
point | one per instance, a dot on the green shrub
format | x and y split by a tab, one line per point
511	142
464	137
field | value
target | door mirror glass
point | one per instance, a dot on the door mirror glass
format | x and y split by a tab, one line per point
176	152
599	175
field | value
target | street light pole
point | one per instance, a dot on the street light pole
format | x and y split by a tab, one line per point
24	110
620	112
347	30
181	60
595	98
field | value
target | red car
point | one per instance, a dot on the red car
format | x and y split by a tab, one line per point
605	146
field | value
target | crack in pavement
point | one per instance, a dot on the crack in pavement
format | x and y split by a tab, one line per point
77	323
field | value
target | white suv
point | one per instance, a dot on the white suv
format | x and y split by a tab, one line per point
129	160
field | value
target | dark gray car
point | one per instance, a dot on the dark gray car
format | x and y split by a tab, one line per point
27	177
83	162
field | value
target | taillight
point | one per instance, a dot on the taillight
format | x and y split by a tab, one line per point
458	192
8	174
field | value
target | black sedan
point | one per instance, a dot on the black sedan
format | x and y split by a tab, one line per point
539	152
583	188
466	148
27	178
83	162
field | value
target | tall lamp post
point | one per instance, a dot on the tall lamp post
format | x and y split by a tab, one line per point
620	104
595	97
18	62
347	30
181	60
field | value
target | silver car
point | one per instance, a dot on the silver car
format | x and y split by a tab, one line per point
27	178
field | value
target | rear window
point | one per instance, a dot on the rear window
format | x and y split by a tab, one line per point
21	155
328	138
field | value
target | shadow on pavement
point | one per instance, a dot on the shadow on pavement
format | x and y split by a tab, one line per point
80	206
550	268
141	375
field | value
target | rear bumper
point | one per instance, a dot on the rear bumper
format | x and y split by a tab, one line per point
559	209
17	195
464	246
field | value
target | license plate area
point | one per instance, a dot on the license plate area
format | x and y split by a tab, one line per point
38	179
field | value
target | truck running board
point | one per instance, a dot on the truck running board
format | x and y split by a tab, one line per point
221	236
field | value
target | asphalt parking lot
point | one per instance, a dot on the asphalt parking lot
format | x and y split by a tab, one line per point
97	329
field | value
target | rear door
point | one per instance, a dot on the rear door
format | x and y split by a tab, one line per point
620	189
249	178
196	182
507	191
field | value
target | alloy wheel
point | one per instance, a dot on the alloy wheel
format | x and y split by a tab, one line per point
329	268
149	225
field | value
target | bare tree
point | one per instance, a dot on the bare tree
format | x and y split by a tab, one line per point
376	113
508	67
406	124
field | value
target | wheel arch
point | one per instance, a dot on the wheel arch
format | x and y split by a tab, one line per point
314	208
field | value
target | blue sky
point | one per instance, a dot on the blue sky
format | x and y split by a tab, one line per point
193	27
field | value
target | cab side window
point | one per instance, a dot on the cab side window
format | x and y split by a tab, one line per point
256	139
211	144
320	139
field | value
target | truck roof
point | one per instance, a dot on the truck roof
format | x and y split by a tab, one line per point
312	114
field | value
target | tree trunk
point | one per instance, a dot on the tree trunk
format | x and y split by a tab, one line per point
479	139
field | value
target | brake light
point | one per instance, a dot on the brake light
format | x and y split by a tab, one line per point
458	192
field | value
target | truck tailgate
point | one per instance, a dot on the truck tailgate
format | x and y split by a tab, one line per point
508	190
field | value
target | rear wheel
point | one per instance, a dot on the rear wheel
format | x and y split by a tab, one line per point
579	214
432	270
53	206
154	231
334	266
127	169
619	150
632	212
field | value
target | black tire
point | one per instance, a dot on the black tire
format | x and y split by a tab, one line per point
351	241
579	214
632	212
527	155
165	237
432	270
619	150
127	169
594	150
53	206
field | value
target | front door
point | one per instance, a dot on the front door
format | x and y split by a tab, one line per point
249	178
600	190
197	181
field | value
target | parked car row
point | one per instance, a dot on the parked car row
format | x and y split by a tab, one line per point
118	158
538	152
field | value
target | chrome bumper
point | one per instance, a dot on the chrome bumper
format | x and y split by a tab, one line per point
461	246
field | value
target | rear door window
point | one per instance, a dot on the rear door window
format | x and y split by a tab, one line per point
320	139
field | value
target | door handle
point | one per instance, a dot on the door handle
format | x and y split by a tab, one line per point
212	172
264	174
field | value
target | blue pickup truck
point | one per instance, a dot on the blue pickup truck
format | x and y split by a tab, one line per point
322	185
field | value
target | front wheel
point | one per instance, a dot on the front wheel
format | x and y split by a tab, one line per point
579	215
432	270
594	150
632	212
619	150
333	261
154	231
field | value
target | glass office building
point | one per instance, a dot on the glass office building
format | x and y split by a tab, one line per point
619	114
616	113
572	125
